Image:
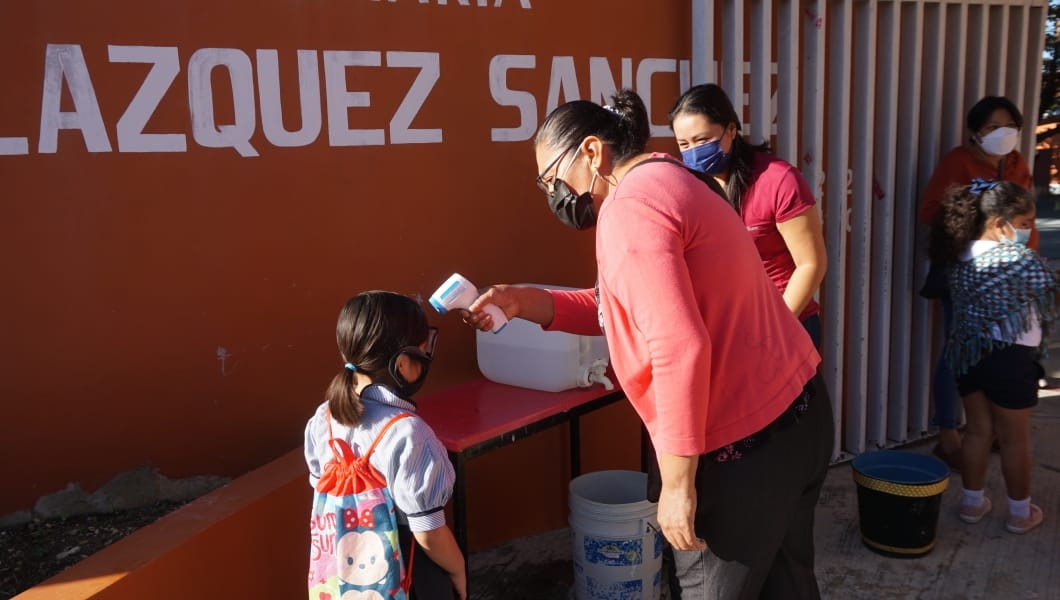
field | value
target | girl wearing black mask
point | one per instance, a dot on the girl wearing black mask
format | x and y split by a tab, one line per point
386	347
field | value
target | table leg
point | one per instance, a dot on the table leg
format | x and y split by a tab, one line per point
647	450
459	502
575	448
460	512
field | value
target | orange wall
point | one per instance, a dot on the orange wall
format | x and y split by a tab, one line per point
240	541
178	306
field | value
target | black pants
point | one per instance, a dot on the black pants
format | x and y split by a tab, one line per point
756	515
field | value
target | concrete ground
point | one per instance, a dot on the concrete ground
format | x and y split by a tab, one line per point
968	561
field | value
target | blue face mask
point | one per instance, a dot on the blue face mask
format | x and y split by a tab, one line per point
1022	235
707	158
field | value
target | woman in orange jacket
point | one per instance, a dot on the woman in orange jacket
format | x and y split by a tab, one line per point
994	125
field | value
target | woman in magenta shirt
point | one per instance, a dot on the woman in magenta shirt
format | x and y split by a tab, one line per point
716	366
770	195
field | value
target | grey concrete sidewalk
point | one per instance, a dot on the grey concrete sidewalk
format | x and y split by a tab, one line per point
968	561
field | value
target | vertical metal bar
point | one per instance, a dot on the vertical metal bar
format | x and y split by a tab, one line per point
859	272
835	201
954	67
761	71
976	57
906	194
786	102
930	148
732	67
1016	75
888	77
997	52
702	42
812	159
1031	99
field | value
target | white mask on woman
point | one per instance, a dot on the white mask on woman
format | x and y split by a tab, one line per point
1000	141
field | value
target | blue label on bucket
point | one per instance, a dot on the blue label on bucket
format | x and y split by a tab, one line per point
658	544
614	590
614	553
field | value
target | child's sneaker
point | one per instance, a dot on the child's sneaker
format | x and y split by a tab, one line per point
974	514
1015	525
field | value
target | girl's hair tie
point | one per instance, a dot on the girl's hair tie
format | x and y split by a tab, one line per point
980	185
351	367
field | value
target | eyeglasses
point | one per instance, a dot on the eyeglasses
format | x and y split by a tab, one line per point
543	184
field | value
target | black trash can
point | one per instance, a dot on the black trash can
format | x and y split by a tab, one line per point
899	495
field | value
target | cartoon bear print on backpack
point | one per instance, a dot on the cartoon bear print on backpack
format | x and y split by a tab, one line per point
369	560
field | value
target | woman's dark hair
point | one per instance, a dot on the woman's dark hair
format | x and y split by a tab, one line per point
964	215
980	113
623	125
710	101
372	327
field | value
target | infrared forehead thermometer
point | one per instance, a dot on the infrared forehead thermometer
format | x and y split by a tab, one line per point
457	292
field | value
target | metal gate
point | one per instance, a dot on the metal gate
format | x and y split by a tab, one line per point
864	96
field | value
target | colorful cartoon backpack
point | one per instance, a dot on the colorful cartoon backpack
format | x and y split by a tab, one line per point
354	552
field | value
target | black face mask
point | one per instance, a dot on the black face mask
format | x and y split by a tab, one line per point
574	211
406	389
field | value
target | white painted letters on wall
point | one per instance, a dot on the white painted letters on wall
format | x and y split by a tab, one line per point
66	62
645	70
563	81
11	146
344	88
204	127
308	97
131	136
340	99
602	81
429	64
504	96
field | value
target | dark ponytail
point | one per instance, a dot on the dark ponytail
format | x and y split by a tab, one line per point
964	214
372	327
623	125
958	223
743	153
710	101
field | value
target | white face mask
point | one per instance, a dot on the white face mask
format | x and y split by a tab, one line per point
1000	141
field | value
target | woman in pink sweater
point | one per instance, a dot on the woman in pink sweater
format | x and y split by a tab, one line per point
715	364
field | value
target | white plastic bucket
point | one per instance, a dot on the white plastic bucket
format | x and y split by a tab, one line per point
616	542
524	355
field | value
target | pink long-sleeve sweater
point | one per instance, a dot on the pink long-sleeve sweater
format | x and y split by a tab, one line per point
700	338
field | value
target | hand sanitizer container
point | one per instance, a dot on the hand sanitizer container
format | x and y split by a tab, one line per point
525	355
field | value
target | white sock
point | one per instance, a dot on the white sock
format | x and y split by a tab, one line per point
971	497
1021	509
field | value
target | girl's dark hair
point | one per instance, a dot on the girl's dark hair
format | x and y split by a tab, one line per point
623	126
964	215
981	111
372	327
710	101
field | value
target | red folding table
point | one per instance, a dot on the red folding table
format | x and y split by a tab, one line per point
476	417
